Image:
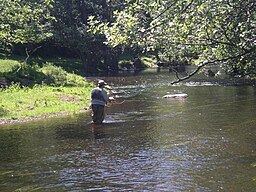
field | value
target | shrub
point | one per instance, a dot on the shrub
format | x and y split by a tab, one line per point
55	75
75	80
27	71
7	65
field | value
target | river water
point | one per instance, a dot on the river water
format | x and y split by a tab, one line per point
206	142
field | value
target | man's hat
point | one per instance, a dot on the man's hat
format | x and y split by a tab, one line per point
102	82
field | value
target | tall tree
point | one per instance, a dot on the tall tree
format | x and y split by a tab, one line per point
24	21
216	31
71	30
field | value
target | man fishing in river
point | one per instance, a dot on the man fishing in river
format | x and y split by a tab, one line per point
99	98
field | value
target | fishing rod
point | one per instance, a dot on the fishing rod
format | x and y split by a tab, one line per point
118	103
112	100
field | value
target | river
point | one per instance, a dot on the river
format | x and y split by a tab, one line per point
206	142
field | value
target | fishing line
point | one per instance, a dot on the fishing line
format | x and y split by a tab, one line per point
118	103
126	101
140	100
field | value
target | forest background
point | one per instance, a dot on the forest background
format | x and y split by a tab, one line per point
51	45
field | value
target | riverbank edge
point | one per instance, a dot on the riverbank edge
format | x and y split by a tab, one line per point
28	119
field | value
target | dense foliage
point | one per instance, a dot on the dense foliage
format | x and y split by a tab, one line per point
201	31
71	30
24	21
198	31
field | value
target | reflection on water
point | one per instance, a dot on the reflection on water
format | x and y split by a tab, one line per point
203	143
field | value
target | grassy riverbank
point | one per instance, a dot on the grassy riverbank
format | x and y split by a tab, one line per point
44	87
30	91
18	103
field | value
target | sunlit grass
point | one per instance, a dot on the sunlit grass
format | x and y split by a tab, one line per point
41	89
7	65
20	103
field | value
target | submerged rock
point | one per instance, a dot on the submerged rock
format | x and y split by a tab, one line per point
176	96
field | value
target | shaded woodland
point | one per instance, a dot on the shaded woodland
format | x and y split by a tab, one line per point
100	32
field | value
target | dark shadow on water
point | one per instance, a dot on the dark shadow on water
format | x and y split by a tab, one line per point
98	131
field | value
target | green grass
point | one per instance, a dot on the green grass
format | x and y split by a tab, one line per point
41	89
70	65
18	103
6	65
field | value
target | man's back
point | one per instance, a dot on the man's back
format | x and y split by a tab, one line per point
99	96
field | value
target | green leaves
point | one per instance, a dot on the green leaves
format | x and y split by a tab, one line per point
209	29
212	30
24	21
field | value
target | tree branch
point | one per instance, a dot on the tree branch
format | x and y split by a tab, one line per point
210	62
29	53
189	75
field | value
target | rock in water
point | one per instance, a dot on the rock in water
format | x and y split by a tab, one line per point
176	96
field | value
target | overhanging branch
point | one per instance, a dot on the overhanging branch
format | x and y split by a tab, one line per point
179	79
188	76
